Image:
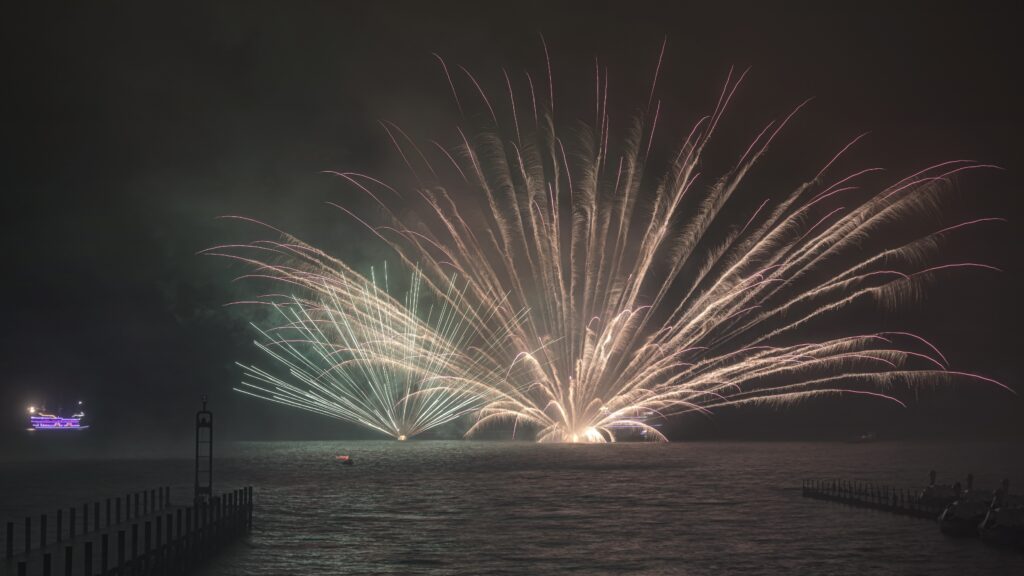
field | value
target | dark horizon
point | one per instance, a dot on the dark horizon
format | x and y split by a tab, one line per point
136	127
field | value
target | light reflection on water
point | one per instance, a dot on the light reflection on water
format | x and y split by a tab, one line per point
521	508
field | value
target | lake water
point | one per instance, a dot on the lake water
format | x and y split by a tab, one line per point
520	508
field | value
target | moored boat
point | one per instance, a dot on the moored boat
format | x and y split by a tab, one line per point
1003	526
961	518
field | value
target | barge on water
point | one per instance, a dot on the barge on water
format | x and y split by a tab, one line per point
41	419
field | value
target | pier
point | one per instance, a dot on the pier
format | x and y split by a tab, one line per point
139	533
875	496
135	534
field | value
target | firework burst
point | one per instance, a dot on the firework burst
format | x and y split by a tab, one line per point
609	297
351	351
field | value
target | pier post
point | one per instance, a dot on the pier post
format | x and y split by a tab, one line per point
108	512
117	510
85	518
22	568
206	529
188	533
47	564
28	534
168	542
215	512
60	525
136	505
120	551
200	533
9	546
147	546
88	558
96	516
127	506
42	530
135	545
71	523
202	515
159	538
67	560
104	553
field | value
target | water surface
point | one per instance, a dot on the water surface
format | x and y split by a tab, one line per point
521	508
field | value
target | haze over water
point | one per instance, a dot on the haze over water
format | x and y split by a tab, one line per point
460	507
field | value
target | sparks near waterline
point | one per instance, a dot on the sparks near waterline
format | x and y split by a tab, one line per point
606	293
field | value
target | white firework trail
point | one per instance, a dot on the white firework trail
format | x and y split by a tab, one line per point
352	352
607	295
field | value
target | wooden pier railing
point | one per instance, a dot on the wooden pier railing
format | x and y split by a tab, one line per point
875	496
146	535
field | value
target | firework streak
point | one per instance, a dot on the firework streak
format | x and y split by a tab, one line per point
359	355
605	295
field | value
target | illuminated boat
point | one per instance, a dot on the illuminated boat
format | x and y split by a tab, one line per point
42	420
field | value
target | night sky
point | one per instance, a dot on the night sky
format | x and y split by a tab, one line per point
131	128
